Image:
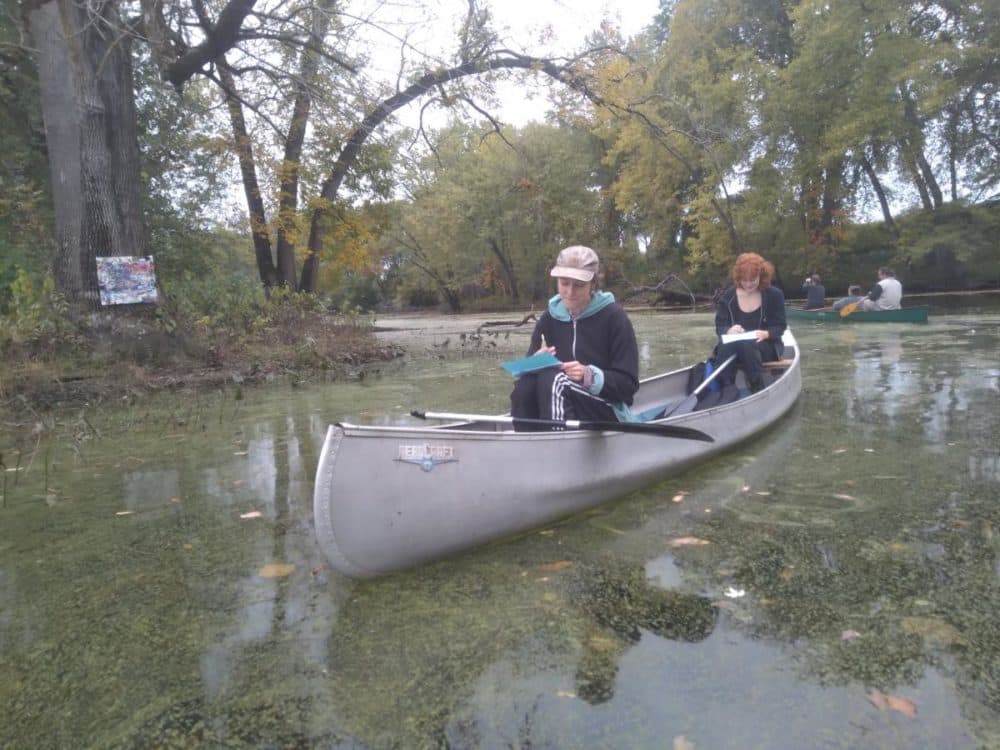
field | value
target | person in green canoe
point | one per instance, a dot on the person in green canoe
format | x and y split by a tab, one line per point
853	295
593	338
886	295
815	292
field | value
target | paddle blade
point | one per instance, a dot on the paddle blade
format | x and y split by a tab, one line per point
848	309
641	428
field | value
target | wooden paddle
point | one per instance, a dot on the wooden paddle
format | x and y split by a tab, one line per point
849	308
638	428
691	401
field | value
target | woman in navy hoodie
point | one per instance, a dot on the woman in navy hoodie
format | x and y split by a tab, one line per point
752	305
593	338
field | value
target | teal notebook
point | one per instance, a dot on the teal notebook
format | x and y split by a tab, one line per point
530	364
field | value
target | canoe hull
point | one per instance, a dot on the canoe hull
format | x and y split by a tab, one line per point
389	498
905	315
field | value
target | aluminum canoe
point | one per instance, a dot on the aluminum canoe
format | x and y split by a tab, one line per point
916	314
388	498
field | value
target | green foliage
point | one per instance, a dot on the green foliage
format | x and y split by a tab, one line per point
954	247
36	316
488	216
25	206
359	291
217	302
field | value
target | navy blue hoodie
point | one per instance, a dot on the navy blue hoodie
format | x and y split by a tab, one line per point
601	337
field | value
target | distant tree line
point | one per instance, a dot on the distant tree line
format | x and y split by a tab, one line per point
723	127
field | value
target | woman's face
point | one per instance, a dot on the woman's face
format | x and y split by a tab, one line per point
574	294
750	283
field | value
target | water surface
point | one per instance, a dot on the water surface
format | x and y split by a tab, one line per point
846	596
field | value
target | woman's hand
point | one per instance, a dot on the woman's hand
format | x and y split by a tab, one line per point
574	370
763	335
735	329
545	348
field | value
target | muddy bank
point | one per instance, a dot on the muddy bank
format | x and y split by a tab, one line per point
108	365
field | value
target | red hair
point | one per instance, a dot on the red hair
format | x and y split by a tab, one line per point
749	265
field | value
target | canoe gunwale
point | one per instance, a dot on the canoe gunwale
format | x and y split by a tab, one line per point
912	314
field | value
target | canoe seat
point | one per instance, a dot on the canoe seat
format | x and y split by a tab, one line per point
779	363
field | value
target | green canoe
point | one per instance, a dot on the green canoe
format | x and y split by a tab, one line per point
904	315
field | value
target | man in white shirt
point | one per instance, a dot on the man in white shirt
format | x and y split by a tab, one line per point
886	295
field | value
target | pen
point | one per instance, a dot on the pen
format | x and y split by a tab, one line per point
544	345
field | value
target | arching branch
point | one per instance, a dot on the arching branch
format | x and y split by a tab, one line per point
565	72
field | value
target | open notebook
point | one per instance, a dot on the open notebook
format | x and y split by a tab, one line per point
530	364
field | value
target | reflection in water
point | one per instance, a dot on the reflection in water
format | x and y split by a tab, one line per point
986	468
624	604
859	539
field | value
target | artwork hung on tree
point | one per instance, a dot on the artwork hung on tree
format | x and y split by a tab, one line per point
127	280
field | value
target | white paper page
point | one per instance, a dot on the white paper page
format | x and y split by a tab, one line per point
745	336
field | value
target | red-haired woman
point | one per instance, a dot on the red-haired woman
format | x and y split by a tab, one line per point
752	305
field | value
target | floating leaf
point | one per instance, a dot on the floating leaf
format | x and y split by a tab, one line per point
124	513
565	694
849	635
840	450
554	566
251	514
734	593
902	705
682	743
841	496
678	498
241	453
877	699
276	570
687	541
882	701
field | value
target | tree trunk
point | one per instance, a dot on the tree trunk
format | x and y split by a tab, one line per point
508	270
288	174
243	146
930	180
88	107
930	192
880	192
910	164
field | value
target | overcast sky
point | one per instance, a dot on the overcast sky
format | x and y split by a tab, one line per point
522	24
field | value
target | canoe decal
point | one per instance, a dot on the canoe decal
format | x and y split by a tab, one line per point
426	456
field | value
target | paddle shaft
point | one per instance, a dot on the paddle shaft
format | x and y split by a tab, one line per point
638	428
689	403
